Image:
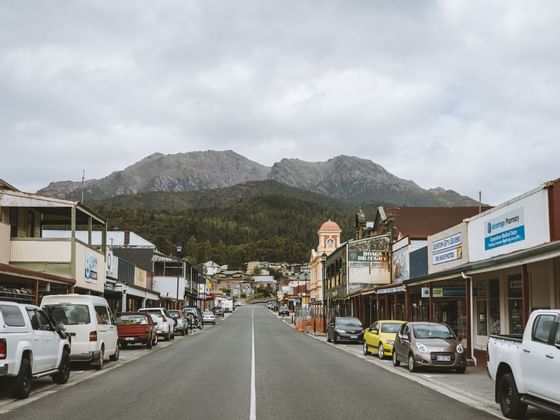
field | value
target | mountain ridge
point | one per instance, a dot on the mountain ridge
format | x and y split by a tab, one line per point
342	177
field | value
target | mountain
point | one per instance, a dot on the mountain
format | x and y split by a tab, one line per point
158	172
360	180
343	177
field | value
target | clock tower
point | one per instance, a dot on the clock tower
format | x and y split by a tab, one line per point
329	237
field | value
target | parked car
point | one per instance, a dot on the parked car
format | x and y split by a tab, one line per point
525	370
429	345
381	336
208	317
218	311
136	327
165	325
284	311
345	328
180	321
31	347
194	316
89	322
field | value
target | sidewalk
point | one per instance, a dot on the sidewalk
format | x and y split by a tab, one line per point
474	387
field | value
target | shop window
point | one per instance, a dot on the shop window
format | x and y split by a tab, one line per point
515	304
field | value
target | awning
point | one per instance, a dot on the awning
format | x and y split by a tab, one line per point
389	290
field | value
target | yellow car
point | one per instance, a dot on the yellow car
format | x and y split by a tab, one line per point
381	337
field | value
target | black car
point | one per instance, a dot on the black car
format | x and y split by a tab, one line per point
345	329
284	311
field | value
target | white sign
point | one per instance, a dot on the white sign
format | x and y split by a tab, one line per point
452	241
90	274
446	256
425	292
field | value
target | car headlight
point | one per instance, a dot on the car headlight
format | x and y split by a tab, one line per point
391	342
460	348
340	331
422	348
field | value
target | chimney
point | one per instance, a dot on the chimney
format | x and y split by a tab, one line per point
126	237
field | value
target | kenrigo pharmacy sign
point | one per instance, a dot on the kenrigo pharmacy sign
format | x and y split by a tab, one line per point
518	224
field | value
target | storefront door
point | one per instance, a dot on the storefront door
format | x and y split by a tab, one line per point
487	310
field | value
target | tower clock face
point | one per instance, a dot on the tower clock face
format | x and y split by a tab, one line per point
330	243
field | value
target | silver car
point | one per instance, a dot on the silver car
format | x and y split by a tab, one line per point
208	317
430	345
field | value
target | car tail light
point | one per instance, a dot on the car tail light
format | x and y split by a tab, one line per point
3	348
93	336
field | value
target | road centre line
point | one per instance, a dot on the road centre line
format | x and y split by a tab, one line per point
253	408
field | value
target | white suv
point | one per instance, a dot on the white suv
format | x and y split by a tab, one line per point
165	325
31	347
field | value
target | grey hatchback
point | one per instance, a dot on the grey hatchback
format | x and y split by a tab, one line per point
429	344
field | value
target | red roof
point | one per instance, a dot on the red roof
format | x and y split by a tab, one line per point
329	226
420	222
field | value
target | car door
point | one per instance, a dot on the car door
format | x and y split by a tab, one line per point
404	342
45	341
538	356
552	379
369	335
104	328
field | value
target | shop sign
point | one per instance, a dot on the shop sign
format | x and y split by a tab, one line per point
446	256
448	292
90	274
504	230
425	292
372	252
452	241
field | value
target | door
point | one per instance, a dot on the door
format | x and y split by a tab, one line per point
538	357
369	335
554	365
104	329
402	343
45	341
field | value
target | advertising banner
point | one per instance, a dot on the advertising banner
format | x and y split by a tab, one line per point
90	274
368	262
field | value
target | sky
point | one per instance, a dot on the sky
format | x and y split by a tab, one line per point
457	94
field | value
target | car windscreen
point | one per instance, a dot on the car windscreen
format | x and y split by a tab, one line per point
348	322
132	320
391	328
174	314
432	331
69	313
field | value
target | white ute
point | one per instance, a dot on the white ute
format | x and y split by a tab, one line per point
31	347
526	371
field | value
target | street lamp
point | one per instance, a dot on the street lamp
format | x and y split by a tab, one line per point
324	288
179	248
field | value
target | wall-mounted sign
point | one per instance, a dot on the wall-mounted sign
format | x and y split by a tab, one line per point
448	292
425	292
452	241
504	230
446	256
90	274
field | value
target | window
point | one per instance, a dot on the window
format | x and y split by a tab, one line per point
69	314
515	304
102	315
557	338
542	328
12	316
44	323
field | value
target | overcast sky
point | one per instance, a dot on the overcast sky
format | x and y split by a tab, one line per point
458	94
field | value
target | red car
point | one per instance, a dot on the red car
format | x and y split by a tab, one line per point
136	327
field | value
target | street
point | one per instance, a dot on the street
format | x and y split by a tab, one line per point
208	376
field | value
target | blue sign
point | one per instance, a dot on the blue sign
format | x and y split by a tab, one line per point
505	238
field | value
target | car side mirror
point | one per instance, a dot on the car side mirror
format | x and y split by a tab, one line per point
59	326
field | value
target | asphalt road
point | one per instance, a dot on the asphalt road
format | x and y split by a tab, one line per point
208	376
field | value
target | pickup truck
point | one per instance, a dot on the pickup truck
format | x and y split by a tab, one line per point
31	347
526	370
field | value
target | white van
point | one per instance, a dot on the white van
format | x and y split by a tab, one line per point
90	324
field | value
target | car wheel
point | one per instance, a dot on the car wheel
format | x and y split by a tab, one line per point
63	374
167	337
396	361
365	348
509	399
149	343
411	364
334	340
173	336
101	360
22	382
156	340
115	356
380	351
